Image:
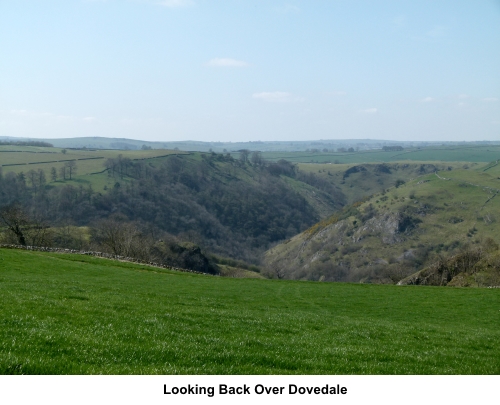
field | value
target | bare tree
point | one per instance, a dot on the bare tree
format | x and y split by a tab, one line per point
41	178
53	173
16	220
33	179
244	155
280	273
125	163
26	229
62	172
21	178
121	238
256	158
37	179
110	165
71	166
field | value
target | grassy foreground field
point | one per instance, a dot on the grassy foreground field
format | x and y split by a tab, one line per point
72	314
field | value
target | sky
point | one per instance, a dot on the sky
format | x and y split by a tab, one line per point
214	70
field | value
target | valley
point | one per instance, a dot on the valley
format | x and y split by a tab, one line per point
366	221
286	268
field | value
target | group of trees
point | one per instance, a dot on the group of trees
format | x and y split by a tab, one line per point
227	206
208	204
340	150
396	148
254	157
66	171
36	180
113	235
28	143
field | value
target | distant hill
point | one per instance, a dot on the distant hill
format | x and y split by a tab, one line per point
315	147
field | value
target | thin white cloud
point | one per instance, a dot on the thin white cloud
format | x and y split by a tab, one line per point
427	100
490	99
30	115
288	8
370	110
226	62
18	112
434	34
437	31
463	96
276	97
176	3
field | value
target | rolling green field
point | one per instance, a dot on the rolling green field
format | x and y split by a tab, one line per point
89	163
24	158
362	184
445	154
72	314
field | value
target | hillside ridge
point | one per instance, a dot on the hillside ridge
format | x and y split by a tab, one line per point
396	233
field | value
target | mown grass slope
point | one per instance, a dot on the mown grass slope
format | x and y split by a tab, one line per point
70	314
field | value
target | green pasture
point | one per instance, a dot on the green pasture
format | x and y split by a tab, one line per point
492	168
446	154
89	162
72	314
457	205
17	159
358	185
361	184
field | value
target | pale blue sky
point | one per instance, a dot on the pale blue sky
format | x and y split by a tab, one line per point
251	70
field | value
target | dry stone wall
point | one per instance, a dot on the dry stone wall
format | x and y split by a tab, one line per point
98	254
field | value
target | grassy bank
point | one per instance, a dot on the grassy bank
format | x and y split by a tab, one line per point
82	315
